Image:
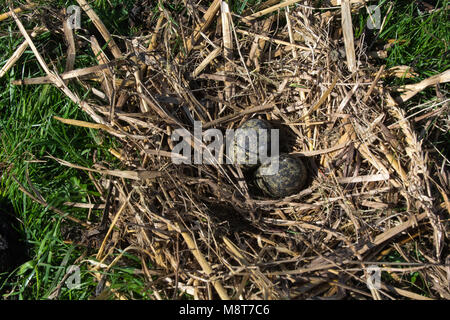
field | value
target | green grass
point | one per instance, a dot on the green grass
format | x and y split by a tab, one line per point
29	133
422	40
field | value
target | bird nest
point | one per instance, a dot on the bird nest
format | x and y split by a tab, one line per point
204	229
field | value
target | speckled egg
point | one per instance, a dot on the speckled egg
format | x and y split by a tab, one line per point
288	178
246	153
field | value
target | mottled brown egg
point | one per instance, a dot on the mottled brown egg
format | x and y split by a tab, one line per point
247	152
280	181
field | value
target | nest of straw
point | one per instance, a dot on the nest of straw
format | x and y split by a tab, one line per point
202	229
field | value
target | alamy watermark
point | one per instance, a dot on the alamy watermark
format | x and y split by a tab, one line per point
252	145
374	20
73	281
240	146
74	19
373	277
447	263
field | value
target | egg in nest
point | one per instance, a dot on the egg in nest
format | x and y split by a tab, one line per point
281	176
251	142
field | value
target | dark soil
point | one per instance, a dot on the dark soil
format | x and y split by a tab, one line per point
12	249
